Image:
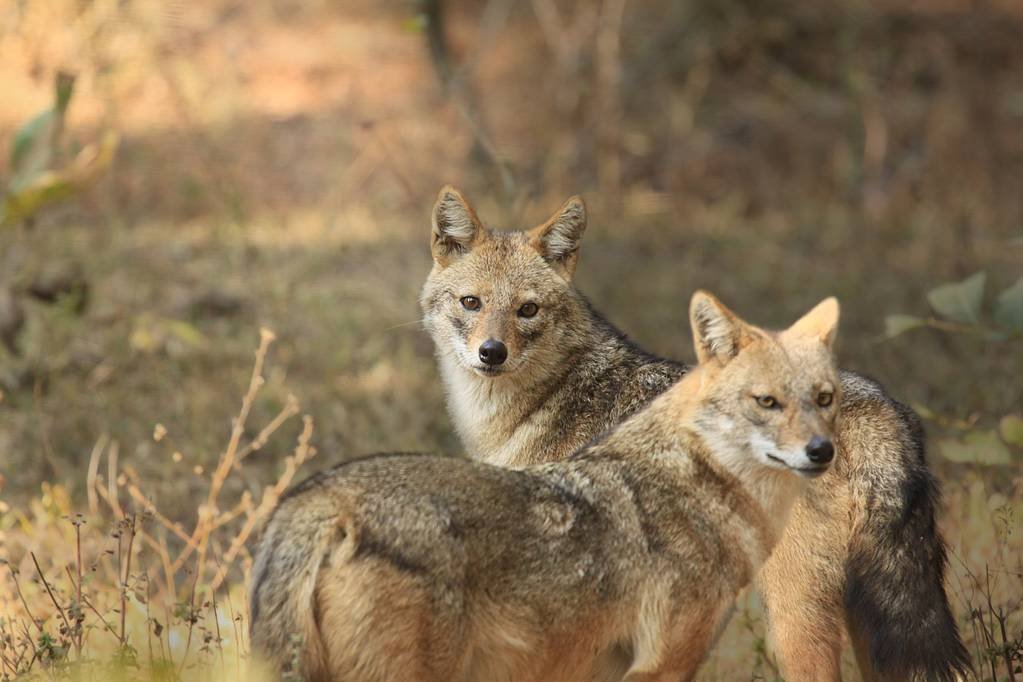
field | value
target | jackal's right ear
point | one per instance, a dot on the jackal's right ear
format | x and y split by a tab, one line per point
718	333
820	323
455	226
558	239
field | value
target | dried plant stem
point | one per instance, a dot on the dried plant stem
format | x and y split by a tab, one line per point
112	480
78	585
136	494
49	591
216	623
93	470
21	596
108	626
127	573
266	337
237	635
227	460
290	409
217	542
191	619
270	496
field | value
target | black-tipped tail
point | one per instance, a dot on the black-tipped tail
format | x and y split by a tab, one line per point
898	612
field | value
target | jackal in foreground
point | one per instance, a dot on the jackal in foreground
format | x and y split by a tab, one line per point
532	373
622	561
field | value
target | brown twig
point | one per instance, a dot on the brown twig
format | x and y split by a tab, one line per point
46	584
191	620
78	583
226	463
24	602
90	479
103	620
609	76
216	623
270	496
130	525
112	480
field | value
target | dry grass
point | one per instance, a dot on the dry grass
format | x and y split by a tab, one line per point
277	165
127	586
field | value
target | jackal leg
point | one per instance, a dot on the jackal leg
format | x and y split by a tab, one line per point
687	639
801	584
375	626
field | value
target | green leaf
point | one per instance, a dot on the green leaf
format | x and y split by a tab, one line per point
960	301
1009	307
895	325
414	24
1011	428
50	187
153	334
185	332
34	145
45	188
38	128
978	447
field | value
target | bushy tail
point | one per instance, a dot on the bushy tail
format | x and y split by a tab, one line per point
897	610
304	531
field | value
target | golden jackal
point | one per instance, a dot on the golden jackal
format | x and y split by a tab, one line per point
533	373
622	560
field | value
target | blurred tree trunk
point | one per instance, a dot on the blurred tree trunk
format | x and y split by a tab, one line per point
609	106
460	93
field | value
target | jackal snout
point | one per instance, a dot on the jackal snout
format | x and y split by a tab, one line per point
493	352
820	450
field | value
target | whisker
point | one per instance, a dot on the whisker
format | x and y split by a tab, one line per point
403	324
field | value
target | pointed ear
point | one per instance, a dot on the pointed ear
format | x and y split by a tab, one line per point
718	334
820	323
455	226
558	239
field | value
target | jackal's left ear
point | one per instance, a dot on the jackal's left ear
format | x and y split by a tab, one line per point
558	239
456	226
821	322
718	333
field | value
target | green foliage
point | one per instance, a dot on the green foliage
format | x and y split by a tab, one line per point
414	24
1009	307
976	447
37	176
1011	428
49	650
960	301
895	325
960	308
34	135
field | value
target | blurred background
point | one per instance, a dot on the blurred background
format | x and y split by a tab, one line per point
204	169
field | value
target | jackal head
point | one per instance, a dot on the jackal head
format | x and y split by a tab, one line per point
496	301
767	398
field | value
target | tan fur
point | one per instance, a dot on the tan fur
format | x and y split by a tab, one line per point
622	562
570	376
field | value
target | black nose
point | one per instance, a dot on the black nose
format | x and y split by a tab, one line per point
493	352
820	450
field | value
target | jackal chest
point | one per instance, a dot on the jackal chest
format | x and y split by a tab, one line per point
491	420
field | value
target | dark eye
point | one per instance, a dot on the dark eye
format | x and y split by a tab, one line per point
470	303
825	399
529	309
768	402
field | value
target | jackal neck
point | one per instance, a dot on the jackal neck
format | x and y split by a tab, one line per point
670	428
561	399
